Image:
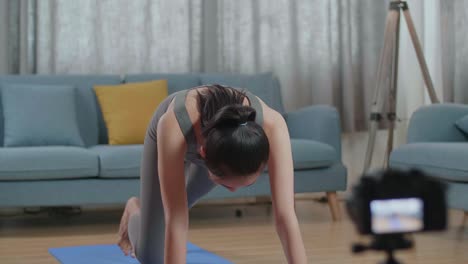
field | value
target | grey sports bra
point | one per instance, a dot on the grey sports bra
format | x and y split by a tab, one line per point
186	125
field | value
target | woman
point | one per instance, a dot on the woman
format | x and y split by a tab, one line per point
207	136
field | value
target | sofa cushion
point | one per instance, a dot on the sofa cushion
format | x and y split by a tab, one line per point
124	161
263	85
447	161
119	161
128	108
45	163
310	154
175	81
40	115
88	113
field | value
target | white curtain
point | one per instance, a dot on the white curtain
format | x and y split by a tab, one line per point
17	41
118	36
3	36
324	52
454	18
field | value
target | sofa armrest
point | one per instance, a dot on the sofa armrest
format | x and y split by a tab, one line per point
436	123
319	122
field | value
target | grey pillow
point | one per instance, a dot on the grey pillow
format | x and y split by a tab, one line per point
40	115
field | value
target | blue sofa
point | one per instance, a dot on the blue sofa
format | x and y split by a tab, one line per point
436	146
103	174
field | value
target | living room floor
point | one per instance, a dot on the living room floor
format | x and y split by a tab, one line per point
250	239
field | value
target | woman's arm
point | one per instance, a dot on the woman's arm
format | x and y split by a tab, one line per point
281	171
171	149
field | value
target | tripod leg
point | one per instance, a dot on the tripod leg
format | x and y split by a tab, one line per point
420	55
370	144
382	74
392	96
391	130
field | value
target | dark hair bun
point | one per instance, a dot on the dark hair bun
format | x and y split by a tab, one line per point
231	116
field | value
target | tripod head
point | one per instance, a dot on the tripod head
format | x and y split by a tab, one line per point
388	243
398	4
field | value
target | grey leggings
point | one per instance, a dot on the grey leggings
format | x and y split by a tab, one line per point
146	228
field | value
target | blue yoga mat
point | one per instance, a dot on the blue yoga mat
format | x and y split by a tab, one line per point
111	254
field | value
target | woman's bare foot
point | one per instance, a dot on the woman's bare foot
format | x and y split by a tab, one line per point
132	207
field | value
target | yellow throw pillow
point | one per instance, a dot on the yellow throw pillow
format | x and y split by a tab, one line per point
128	109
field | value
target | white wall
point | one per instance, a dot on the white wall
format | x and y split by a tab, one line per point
3	36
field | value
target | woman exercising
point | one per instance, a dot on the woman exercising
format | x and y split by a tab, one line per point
199	138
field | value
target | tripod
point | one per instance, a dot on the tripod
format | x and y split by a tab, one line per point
388	243
387	76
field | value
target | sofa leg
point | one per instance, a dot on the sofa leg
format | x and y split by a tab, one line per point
465	219
461	228
334	206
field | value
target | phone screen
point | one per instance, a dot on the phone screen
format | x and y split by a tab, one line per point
396	215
